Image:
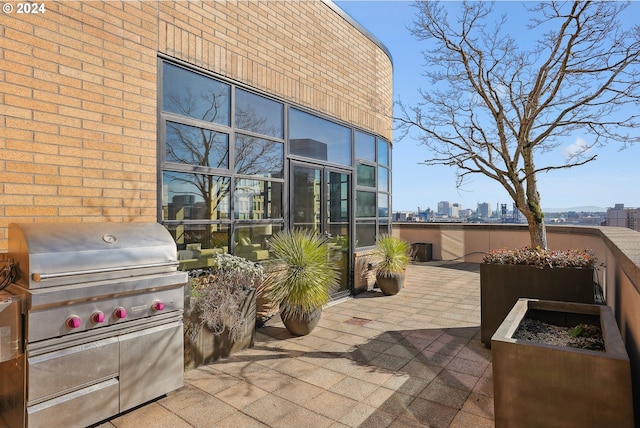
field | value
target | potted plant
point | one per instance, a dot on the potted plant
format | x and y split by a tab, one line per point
391	259
537	382
506	275
221	311
301	278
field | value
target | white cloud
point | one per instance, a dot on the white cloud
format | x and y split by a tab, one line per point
578	148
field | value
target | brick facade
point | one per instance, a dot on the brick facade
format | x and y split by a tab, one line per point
78	127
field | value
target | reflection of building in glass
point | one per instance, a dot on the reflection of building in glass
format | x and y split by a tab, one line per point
309	148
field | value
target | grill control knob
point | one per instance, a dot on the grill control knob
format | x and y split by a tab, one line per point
97	317
74	321
120	313
157	306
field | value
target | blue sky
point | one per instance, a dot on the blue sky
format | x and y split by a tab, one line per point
614	177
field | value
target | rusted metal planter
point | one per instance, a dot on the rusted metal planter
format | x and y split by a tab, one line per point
502	285
539	385
207	347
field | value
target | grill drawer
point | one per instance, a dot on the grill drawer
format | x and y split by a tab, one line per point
87	406
71	368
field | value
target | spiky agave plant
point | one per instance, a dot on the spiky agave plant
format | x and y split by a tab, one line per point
302	275
391	255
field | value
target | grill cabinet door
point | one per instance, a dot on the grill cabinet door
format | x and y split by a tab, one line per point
151	363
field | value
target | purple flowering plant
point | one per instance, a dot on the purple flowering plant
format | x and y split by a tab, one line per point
539	257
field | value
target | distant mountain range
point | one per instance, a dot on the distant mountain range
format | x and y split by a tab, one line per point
576	209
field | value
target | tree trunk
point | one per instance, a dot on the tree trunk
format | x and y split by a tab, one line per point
538	234
534	214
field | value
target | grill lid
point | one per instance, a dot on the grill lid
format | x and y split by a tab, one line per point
50	254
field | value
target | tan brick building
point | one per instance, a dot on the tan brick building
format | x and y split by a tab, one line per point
91	110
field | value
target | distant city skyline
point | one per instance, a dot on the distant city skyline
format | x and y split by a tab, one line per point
496	208
611	179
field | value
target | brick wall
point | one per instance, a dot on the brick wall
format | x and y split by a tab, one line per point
301	51
78	136
79	106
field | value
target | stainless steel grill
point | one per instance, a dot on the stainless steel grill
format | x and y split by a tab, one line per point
103	305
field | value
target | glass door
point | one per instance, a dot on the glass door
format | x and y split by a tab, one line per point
320	202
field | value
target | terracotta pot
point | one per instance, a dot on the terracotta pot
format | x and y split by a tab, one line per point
390	284
302	325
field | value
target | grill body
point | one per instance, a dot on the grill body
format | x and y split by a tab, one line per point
102	307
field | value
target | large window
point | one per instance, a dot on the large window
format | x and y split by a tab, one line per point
224	153
222	171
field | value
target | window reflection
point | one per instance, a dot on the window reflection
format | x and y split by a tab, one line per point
365	204
383	228
188	196
198	243
338	197
383	152
313	137
258	114
366	175
365	234
383	205
365	146
257	156
383	179
190	94
307	189
196	111
252	241
197	146
257	199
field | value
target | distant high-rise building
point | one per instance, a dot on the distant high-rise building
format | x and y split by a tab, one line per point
444	208
484	210
449	209
455	210
619	216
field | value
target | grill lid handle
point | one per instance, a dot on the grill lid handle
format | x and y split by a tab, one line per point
39	277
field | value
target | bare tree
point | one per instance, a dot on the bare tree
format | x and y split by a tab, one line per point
492	107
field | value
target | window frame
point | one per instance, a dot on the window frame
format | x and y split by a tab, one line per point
287	157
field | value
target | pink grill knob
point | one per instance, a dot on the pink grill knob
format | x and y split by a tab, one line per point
120	313
158	306
74	321
97	317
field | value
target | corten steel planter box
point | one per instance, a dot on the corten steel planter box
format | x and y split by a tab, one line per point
502	285
540	385
208	347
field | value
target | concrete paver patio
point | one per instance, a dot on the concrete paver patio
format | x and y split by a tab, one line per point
409	360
